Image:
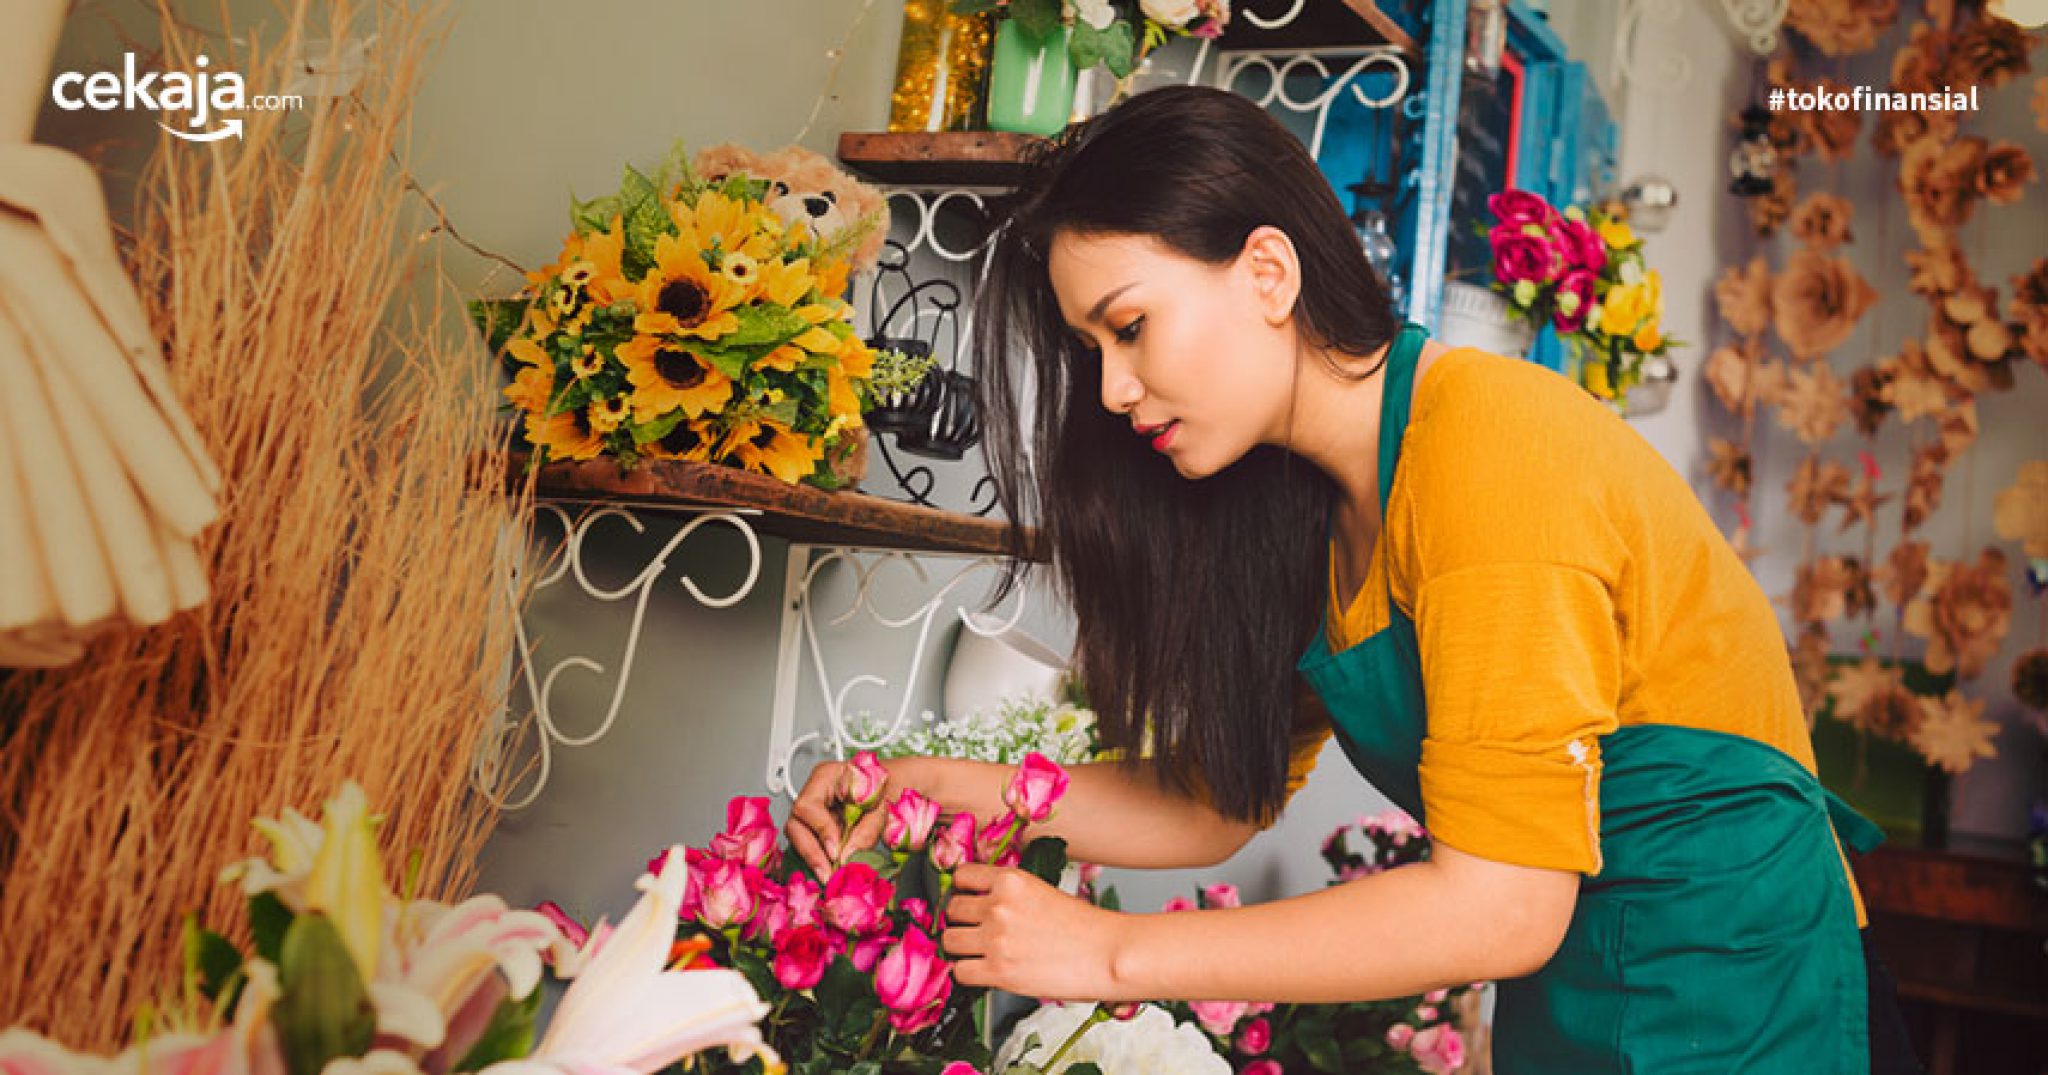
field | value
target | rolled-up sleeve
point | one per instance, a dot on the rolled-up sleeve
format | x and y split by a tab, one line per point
1521	663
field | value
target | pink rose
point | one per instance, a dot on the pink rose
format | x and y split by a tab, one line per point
570	929
728	895
856	898
1519	256
863	781
1399	1035
655	864
1219	1017
1260	1008
1089	873
1426	1014
919	913
954	842
1438	1050
801	957
1571	314
913	982
865	951
1178	903
960	1067
768	897
910	821
1263	1067
1436	996
1515	208
1125	1011
1037	786
1221	894
1255	1038
996	843
1580	244
750	834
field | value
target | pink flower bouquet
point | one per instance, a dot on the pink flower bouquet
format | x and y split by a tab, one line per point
1582	272
851	967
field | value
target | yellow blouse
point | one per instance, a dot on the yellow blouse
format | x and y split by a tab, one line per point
1564	581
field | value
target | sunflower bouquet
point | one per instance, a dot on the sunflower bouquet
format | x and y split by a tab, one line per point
687	318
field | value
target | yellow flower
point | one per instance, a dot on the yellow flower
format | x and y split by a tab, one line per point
531	388
741	270
1625	307
347	880
605	251
606	414
843	401
691	440
565	436
1594	376
1649	337
587	364
769	447
1617	234
681	296
666	377
785	358
856	358
785	284
818	341
715	220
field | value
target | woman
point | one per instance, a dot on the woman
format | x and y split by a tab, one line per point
1552	658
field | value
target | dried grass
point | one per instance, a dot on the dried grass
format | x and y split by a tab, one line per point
358	622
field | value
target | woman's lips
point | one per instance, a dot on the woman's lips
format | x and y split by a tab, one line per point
1163	439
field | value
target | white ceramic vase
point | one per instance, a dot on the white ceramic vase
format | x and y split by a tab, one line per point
990	666
1475	316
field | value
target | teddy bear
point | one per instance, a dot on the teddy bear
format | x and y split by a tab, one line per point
804	187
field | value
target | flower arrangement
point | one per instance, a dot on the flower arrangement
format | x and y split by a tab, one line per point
851	968
348	979
1582	272
1019	727
1083	1039
696	318
1411	1035
1114	33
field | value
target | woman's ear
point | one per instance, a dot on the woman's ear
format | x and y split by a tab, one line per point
1269	262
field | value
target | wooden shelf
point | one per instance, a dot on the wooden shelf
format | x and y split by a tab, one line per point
797	512
942	159
1323	25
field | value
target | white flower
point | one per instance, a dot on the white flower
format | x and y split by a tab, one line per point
1150	1043
1096	13
1171	13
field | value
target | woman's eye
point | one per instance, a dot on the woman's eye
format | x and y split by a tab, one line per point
1129	332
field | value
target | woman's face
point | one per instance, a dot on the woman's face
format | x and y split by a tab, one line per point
1200	358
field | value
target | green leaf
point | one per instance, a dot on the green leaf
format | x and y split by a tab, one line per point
1120	52
846	998
1085	1068
209	957
969	8
1038	18
881	860
509	1036
758	973
649	432
1320	1046
1109	900
1044	858
575	396
730	361
269	918
866	1067
324	1012
497	319
786	412
765	324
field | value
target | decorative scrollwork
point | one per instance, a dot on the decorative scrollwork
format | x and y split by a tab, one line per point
1281	67
837	738
492	771
1757	21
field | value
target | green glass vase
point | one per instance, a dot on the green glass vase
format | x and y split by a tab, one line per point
1031	81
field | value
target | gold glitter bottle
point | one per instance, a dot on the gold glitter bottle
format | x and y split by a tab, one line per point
941	68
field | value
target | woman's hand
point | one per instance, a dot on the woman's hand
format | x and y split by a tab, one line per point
1011	931
814	830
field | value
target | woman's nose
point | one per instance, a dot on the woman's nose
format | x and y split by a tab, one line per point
1121	389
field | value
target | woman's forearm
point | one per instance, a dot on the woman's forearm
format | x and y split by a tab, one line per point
1113	814
1396	934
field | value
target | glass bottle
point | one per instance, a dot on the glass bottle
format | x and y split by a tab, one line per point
941	68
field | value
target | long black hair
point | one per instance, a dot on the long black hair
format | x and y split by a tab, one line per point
1193	598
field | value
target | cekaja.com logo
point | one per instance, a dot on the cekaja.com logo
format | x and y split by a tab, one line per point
204	93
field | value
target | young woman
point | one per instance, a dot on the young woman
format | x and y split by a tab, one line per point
1514	615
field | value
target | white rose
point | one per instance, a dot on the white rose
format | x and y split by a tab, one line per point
1096	13
1175	13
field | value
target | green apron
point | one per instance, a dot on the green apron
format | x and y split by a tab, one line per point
1720	934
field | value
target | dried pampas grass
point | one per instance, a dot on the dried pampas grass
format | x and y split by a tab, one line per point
359	622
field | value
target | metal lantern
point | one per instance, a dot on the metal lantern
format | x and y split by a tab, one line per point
894	412
949	421
1754	162
1652	393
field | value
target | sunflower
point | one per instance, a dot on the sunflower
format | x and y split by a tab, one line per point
568	435
607	414
690	440
681	296
668	377
742	271
531	388
605	251
729	225
785	358
786	283
769	447
587	363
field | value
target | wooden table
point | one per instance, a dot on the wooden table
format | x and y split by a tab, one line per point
1965	932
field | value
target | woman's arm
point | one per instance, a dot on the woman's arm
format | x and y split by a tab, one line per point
1452	920
1113	814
